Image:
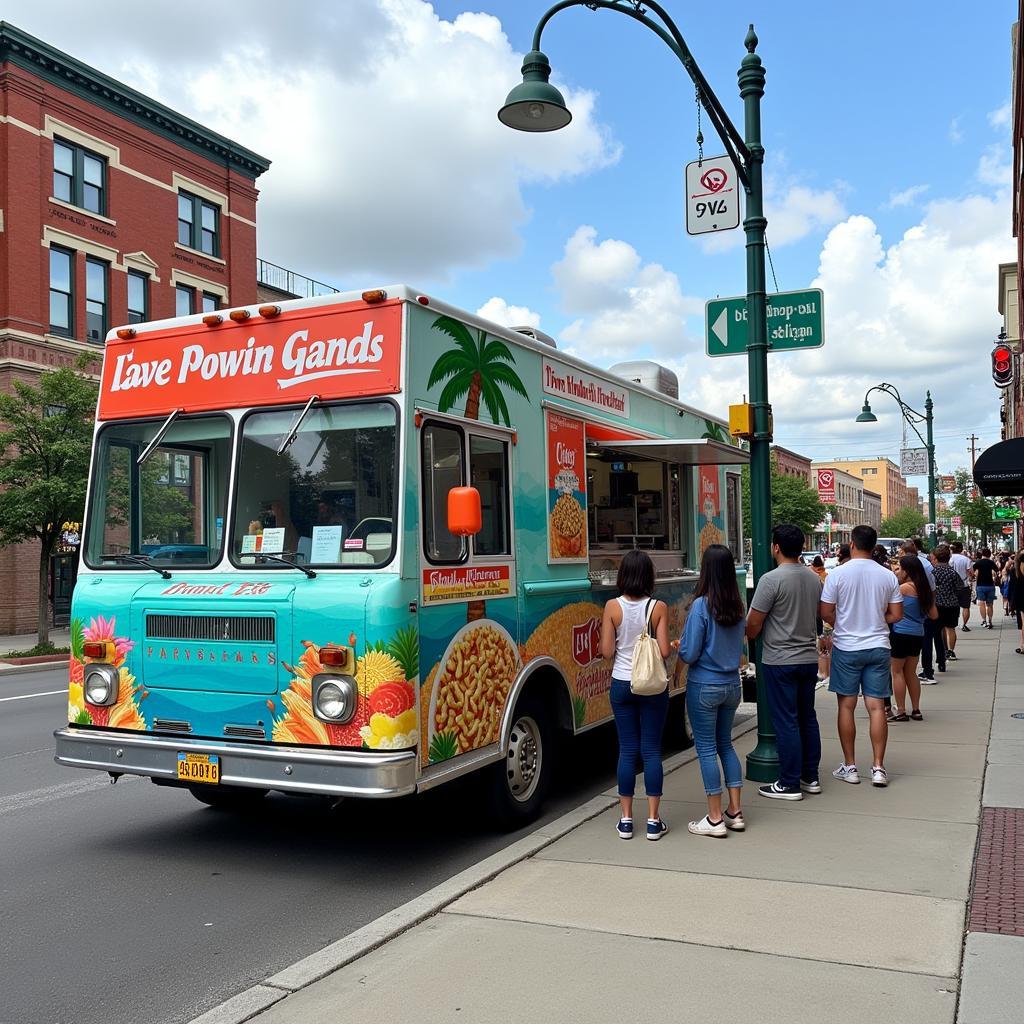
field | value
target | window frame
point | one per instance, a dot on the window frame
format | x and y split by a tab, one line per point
192	299
506	444
460	430
145	279
236	465
209	295
105	316
196	229
69	331
78	182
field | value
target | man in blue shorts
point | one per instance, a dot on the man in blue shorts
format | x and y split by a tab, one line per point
861	600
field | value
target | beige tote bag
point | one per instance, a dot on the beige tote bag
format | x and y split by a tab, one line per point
649	676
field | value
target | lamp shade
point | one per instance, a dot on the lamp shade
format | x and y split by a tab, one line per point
866	415
535	105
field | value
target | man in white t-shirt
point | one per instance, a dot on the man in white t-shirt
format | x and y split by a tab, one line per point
965	570
861	599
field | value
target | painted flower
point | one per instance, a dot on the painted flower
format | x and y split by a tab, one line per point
392	698
386	733
104	629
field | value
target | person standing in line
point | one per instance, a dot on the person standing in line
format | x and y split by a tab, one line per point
947	597
818	566
861	600
906	637
711	645
1016	595
843	555
985	586
1006	566
783	612
965	571
933	639
639	718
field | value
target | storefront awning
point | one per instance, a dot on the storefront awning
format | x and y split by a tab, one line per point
999	470
683	451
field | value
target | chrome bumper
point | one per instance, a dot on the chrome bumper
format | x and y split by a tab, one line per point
289	769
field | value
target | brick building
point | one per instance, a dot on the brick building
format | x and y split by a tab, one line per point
848	500
113	209
882	476
791	464
872	509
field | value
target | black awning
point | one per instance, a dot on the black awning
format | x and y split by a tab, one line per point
999	470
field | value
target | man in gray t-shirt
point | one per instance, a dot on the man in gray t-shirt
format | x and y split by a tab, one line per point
784	613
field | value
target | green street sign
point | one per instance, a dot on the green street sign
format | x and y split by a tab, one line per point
1006	512
795	321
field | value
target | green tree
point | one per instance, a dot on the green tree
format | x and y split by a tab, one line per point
44	463
905	522
793	501
975	512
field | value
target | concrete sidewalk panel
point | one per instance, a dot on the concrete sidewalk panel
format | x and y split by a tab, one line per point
992	989
1002	751
1006	727
1004	787
921	858
810	922
475	971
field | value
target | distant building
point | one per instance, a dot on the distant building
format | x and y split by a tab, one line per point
914	499
791	464
848	502
872	512
881	475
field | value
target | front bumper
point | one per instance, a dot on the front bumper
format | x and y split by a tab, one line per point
289	769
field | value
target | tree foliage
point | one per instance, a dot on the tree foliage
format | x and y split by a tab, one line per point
793	501
904	522
44	463
975	512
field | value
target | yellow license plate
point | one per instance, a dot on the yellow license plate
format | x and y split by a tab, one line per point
199	768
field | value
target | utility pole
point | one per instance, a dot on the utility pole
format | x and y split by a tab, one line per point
974	454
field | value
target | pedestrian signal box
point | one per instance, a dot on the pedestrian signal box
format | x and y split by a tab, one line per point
741	420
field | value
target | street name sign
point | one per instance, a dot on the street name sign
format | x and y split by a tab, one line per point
913	461
795	321
712	195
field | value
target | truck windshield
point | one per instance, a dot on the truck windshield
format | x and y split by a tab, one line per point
170	510
328	499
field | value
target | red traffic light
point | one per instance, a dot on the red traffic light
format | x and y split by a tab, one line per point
1002	366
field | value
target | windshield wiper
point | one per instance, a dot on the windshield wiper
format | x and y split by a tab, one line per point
287	561
157	438
294	432
141	560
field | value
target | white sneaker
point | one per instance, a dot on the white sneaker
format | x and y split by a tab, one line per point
878	777
847	773
736	824
705	828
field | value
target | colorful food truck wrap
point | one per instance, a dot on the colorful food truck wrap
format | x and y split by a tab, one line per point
273	595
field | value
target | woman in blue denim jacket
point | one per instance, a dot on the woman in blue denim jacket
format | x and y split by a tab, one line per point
711	645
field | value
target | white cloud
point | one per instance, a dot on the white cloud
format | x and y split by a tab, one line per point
994	165
906	197
956	135
500	312
1000	117
379	116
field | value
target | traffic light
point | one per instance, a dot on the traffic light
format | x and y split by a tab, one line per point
1002	366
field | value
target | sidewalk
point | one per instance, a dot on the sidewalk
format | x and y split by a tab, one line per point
26	641
850	906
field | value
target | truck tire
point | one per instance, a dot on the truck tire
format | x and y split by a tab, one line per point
677	726
519	782
228	798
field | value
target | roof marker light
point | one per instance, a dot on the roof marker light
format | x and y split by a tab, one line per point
270	311
240	315
125	333
375	295
423	300
212	319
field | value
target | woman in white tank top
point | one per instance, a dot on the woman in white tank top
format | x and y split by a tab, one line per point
639	720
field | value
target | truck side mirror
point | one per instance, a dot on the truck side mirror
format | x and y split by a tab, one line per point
465	515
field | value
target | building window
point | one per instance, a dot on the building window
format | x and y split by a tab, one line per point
79	177
138	297
62	292
184	301
211	302
198	224
95	299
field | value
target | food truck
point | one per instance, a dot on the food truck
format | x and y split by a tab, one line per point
359	545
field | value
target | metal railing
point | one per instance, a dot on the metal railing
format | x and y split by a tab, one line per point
282	280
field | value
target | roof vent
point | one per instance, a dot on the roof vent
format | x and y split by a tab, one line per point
649	375
536	334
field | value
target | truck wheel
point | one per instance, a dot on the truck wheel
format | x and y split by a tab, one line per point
519	782
228	798
677	728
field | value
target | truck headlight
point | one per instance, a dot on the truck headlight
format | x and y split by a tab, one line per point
334	697
101	684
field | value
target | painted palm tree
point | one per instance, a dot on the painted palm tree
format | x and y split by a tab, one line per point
477	369
715	432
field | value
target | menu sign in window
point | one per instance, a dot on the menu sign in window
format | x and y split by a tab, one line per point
567	488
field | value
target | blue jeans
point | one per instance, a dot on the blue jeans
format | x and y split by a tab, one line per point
790	693
639	721
712	708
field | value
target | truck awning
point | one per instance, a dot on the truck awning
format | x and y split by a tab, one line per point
999	470
683	451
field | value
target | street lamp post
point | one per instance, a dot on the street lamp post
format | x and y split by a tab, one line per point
537	106
913	417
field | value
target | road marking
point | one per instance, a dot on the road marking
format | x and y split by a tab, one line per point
34	797
45	693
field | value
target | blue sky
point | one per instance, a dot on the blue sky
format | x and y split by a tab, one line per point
887	143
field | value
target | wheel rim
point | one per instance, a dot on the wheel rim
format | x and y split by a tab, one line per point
525	757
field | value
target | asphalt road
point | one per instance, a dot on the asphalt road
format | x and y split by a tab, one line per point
133	904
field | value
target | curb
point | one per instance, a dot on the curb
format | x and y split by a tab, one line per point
39	659
11	668
246	1004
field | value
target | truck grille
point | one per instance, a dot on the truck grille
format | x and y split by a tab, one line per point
246	732
225	628
171	725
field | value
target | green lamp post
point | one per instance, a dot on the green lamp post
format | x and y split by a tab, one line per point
913	417
537	106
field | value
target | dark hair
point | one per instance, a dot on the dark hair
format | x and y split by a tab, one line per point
864	537
918	543
880	555
818	562
789	538
844	552
957	547
1018	569
636	575
717	585
914	568
942	553
985	553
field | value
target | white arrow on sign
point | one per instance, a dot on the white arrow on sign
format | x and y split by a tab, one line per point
720	328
